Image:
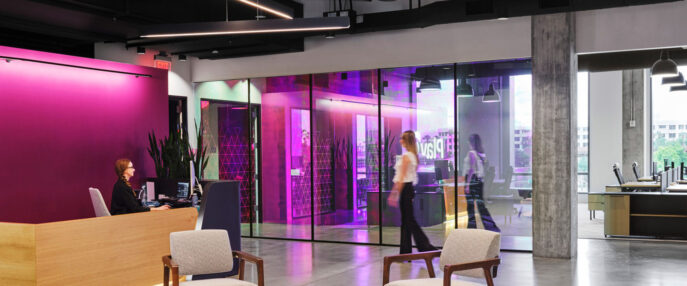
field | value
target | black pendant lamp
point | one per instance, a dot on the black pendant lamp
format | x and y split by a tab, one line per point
491	95
664	66
674	80
464	89
429	83
677	88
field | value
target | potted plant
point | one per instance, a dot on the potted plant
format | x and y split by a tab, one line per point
172	156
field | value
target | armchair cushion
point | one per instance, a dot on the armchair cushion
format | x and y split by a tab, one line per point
431	282
201	251
217	282
470	245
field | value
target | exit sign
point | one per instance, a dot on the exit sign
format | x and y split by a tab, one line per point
162	64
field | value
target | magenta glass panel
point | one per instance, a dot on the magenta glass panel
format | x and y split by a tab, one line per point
283	206
63	128
420	99
345	155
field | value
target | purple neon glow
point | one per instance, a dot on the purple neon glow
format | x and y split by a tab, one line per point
63	128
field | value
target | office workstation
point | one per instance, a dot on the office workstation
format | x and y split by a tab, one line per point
655	207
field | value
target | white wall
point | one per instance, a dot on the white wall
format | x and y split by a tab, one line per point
179	78
605	128
632	28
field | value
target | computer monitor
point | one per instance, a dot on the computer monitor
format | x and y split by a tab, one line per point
182	190
441	170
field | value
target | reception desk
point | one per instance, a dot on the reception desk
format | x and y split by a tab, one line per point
646	214
114	250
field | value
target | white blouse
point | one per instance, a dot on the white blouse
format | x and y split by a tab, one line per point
411	170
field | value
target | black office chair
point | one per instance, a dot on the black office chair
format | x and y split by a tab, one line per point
635	166
618	173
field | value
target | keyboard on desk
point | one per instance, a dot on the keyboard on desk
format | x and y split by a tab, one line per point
176	203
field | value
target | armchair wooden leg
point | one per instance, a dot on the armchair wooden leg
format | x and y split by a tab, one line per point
487	275
165	276
242	267
261	273
387	269
430	267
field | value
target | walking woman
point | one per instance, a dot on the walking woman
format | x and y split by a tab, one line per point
474	165
403	194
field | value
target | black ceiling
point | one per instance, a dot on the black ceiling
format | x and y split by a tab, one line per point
72	26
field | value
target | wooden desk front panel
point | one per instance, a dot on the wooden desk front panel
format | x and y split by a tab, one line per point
17	254
116	250
617	215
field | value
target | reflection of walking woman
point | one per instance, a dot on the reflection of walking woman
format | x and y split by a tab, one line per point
474	166
405	177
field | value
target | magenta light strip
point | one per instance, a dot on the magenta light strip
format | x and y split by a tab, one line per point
10	59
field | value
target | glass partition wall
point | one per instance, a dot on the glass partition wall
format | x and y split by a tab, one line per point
315	154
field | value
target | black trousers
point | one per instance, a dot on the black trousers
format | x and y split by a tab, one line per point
409	226
476	195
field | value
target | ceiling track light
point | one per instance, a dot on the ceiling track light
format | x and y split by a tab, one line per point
266	9
246	27
140	50
11	59
673	80
664	66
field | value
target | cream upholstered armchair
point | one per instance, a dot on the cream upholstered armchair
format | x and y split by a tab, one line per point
207	251
468	252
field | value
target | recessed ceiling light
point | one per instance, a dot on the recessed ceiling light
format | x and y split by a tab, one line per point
502	18
215	51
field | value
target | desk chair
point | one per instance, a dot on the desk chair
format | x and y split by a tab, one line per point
469	252
635	166
618	173
99	205
206	251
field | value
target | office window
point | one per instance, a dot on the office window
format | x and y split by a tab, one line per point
667	113
583	131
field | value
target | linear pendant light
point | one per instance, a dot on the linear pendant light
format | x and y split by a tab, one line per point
246	27
266	9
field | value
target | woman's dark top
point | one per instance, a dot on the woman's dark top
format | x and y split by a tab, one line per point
123	200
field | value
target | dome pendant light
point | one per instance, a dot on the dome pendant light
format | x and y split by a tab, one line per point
664	66
464	89
674	80
491	95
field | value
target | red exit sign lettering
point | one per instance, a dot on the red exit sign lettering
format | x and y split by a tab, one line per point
163	64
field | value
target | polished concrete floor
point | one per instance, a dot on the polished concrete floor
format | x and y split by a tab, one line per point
599	262
516	229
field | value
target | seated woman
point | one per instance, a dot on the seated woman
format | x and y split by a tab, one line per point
123	196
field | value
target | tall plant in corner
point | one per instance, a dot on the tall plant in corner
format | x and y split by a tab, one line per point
200	159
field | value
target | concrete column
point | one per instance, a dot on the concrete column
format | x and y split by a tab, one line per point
633	132
554	136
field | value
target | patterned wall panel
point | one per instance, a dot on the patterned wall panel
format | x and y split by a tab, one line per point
233	145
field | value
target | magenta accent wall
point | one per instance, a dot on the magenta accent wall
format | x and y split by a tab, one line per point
62	128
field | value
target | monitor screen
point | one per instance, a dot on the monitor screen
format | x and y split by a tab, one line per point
182	190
